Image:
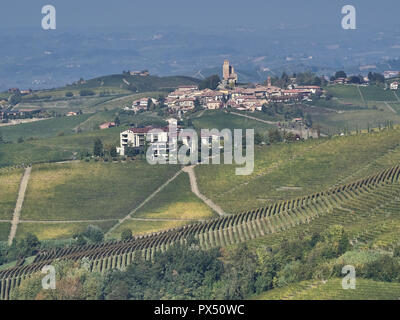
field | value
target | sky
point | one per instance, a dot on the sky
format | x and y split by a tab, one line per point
125	15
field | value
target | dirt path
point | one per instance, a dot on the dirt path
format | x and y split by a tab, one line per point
361	95
129	216
196	191
390	108
253	118
18	205
395	93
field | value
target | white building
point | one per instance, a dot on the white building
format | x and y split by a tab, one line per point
394	85
138	137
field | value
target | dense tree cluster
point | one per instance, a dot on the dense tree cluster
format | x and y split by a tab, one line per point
210	82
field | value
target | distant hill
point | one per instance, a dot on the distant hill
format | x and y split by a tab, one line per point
135	83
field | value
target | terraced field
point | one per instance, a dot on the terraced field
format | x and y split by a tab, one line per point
284	171
351	205
332	290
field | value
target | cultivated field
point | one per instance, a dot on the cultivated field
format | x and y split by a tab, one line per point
90	191
9	185
288	170
332	290
216	119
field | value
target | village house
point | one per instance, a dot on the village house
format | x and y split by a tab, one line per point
138	137
394	85
391	74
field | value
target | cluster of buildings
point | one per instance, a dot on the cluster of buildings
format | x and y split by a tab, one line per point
143	73
19	114
252	98
18	91
161	141
391	74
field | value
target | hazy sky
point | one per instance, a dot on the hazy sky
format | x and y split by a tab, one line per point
127	14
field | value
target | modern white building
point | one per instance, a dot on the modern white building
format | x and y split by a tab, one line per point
138	137
394	85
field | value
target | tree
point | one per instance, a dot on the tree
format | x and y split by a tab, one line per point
113	152
211	82
308	120
94	234
98	148
258	139
86	92
340	74
117	121
126	234
274	136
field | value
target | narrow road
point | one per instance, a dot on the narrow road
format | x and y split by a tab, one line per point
18	205
253	118
390	108
129	216
361	95
196	191
395	93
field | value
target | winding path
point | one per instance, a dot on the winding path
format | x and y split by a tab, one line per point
196	191
18	205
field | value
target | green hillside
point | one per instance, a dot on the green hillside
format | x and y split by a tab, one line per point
135	83
332	290
282	171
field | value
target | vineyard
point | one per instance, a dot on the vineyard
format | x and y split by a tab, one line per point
352	205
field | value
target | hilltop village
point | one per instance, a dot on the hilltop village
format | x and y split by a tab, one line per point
230	94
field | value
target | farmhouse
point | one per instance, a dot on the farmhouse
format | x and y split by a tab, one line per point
138	137
394	85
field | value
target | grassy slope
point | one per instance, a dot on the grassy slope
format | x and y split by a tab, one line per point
373	100
44	128
4	230
56	148
176	201
82	191
332	290
220	120
9	185
142	227
56	231
315	166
